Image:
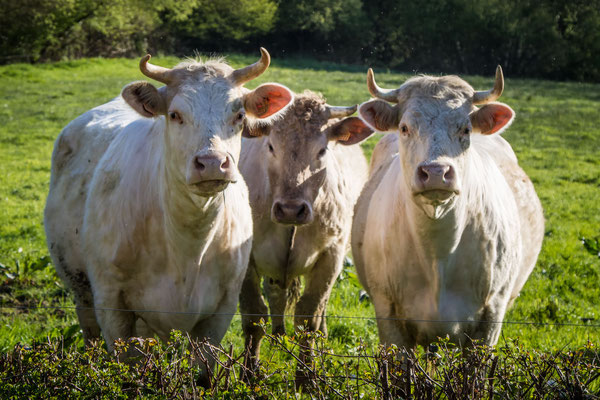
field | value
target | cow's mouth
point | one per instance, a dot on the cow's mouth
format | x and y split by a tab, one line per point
437	195
212	186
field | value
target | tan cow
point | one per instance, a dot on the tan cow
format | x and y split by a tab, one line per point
304	173
448	227
148	217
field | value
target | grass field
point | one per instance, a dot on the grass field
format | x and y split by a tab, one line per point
556	136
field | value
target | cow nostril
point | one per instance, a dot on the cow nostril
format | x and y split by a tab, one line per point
198	164
225	164
278	210
422	174
302	211
449	175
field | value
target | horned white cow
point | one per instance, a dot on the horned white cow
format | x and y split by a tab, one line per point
147	210
304	173
448	227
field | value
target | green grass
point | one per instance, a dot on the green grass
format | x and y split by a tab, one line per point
556	136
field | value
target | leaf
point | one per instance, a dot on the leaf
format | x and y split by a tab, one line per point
592	245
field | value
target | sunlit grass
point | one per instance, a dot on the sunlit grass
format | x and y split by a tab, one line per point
556	136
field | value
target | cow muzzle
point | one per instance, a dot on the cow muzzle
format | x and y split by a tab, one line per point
211	172
292	212
436	181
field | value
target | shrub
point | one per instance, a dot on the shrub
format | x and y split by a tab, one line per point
172	370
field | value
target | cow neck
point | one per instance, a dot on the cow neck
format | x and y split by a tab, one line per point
435	238
190	220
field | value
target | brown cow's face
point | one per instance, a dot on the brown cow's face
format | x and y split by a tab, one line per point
298	150
297	153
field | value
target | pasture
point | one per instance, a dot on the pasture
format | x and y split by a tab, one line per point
556	136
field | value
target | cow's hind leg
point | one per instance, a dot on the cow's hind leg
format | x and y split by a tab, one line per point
86	315
253	309
79	283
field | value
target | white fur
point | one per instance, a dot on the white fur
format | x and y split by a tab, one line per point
460	263
120	215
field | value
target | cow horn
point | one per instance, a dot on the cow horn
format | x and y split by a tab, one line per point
390	95
243	75
486	96
340	112
155	72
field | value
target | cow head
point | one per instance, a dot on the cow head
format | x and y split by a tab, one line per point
435	118
298	148
204	106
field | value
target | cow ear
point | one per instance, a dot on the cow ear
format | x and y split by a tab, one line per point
380	115
144	98
255	129
492	118
267	100
349	131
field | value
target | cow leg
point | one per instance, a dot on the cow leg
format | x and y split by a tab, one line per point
253	308
84	307
115	324
277	298
390	330
310	310
84	301
79	283
213	329
487	330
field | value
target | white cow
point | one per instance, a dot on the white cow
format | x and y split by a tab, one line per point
147	211
448	227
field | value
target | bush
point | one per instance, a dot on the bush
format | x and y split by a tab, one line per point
556	39
172	370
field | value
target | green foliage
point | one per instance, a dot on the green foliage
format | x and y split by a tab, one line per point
51	369
556	39
553	39
592	245
231	20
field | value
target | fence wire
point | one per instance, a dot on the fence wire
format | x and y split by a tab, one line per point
352	317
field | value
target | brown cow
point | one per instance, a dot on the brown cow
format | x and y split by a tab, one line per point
304	178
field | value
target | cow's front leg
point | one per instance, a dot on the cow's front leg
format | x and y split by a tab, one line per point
212	329
281	302
253	309
112	315
310	310
277	298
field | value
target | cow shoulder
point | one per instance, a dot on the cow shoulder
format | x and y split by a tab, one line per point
384	151
253	167
361	212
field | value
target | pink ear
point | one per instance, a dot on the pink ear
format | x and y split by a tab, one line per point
267	99
492	118
350	131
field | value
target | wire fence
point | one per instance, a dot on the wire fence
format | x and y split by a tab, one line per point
352	317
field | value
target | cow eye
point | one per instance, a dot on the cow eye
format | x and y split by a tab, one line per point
466	131
404	129
270	148
240	116
322	152
174	116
